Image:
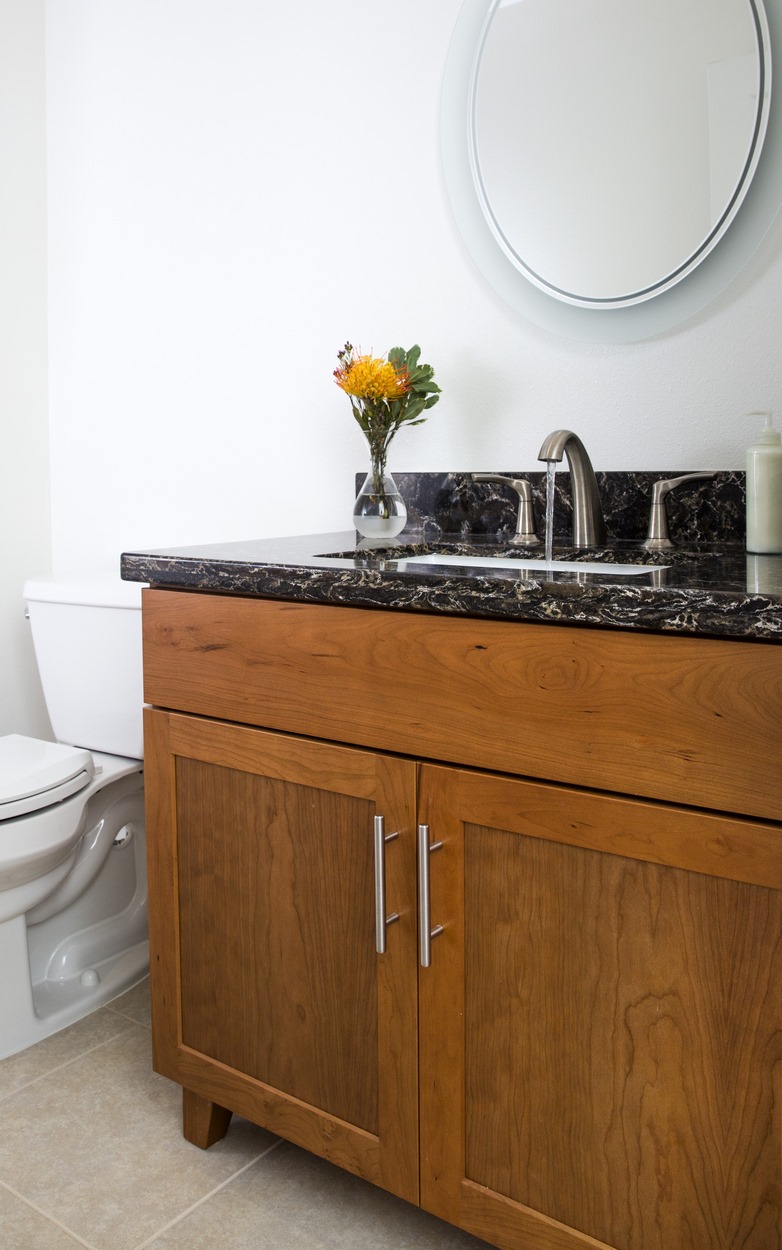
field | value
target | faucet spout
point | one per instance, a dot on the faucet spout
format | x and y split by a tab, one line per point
589	528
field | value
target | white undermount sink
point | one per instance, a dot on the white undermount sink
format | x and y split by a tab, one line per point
492	564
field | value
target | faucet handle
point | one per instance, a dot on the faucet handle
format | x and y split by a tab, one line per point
657	538
525	535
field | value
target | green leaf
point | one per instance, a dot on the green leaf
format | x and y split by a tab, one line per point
382	418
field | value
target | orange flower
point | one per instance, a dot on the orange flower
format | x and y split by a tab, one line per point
368	377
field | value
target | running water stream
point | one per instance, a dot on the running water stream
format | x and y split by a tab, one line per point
551	469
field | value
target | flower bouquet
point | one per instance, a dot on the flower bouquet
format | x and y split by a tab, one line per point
385	393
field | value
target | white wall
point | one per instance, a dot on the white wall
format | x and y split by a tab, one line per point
236	188
24	463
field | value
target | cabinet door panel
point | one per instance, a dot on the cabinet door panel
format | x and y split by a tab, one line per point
275	897
616	1075
272	1000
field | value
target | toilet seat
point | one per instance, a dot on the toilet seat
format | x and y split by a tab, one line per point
36	774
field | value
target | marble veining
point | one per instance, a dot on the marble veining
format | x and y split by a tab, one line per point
708	511
711	586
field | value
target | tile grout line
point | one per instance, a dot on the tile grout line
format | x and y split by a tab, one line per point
150	1241
67	1062
50	1219
141	1023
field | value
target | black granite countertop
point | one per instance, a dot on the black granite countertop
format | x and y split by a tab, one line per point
707	584
715	590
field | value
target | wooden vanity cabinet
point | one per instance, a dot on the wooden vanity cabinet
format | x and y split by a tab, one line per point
594	1056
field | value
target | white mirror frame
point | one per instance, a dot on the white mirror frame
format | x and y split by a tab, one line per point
600	325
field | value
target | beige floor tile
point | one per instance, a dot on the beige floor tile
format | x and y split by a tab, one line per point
23	1229
103	1136
52	1052
134	1003
291	1200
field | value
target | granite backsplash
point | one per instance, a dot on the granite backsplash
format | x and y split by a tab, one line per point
708	511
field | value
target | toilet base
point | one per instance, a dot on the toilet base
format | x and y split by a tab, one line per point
86	943
35	1012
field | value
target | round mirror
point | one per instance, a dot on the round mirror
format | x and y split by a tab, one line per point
600	152
607	180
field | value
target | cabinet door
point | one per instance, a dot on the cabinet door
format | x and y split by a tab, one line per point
270	998
601	1035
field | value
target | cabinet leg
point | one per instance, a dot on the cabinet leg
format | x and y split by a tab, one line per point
203	1122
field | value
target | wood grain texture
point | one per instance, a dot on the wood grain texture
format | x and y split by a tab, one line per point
276	890
203	1122
688	720
707	842
270	999
441	1004
619	1030
511	1226
163	894
623	1026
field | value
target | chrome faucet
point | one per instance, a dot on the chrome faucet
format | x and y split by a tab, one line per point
589	528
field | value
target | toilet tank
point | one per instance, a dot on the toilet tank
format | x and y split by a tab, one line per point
87	638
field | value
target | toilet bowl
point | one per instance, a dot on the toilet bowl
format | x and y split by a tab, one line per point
73	892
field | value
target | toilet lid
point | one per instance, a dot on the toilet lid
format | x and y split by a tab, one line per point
35	774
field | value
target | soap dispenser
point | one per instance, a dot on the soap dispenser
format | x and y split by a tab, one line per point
764	489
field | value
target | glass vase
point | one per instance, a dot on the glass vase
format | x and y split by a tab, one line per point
379	510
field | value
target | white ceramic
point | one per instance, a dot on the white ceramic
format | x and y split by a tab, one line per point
73	893
494	566
87	638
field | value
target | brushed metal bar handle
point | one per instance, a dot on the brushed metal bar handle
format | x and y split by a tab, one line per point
382	921
425	930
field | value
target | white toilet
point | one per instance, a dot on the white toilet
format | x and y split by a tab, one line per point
73	886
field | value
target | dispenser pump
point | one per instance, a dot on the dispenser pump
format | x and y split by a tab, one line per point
767	434
764	489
